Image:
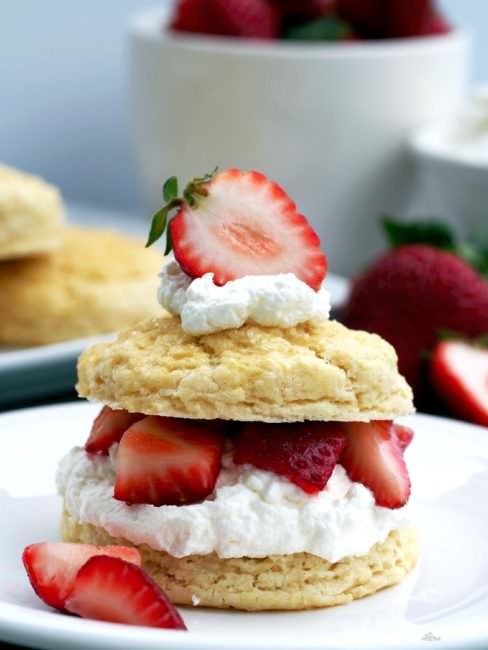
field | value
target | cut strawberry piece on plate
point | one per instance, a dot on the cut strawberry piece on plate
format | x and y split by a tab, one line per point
108	427
404	435
167	461
459	373
304	453
374	458
52	566
109	589
236	223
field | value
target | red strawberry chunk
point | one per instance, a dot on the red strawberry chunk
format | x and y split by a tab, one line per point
167	461
404	435
304	453
374	458
52	566
459	373
247	225
109	589
108	427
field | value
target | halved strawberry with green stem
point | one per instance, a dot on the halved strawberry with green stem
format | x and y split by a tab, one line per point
237	223
373	457
52	566
109	589
305	452
168	461
108	428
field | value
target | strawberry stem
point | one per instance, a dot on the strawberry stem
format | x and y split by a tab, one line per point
160	221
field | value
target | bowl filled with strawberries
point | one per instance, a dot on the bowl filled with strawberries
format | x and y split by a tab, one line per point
319	94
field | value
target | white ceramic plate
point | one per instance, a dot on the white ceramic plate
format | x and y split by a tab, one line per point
443	604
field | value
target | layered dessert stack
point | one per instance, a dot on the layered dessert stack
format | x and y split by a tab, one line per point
246	443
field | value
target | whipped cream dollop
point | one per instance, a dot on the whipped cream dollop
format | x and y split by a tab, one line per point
271	300
252	513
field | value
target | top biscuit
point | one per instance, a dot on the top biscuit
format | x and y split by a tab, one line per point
31	215
310	372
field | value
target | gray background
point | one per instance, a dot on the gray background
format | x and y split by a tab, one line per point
62	91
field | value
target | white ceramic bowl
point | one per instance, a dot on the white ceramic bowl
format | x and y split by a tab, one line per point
328	122
453	174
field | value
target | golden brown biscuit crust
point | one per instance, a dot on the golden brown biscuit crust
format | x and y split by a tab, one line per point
280	582
310	372
98	281
31	215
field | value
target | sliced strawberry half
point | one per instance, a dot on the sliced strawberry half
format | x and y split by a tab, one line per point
108	427
304	453
374	458
245	224
459	373
167	461
52	566
109	589
404	435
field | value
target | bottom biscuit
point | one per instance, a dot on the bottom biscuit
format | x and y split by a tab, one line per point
277	582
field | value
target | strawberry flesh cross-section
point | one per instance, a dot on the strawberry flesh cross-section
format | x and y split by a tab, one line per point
168	461
171	461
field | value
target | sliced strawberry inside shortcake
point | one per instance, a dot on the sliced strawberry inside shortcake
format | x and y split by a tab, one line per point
248	447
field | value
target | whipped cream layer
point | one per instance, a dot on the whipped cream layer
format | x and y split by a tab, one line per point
271	300
252	513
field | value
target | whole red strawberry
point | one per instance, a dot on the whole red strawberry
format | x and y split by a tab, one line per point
411	293
245	18
393	18
194	16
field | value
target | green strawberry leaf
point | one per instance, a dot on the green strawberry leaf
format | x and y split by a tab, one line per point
158	225
328	28
169	243
399	233
170	189
194	191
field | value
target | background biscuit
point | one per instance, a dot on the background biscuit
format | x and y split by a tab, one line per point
98	281
31	215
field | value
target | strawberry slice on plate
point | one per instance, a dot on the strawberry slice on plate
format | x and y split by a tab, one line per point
237	223
109	589
108	427
374	458
168	461
459	373
52	566
305	453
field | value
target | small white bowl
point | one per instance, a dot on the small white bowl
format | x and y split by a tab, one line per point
328	122
452	157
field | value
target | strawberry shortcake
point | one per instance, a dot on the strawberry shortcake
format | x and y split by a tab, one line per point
246	443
